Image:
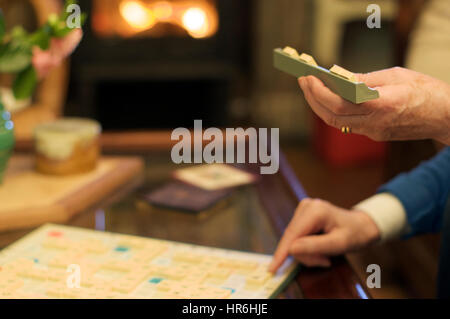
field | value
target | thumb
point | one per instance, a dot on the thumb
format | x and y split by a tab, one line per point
373	79
381	78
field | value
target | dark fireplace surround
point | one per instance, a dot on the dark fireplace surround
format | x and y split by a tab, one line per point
154	83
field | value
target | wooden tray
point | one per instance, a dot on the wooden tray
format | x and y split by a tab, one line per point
29	199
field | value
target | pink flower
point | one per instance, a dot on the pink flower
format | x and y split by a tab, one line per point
45	60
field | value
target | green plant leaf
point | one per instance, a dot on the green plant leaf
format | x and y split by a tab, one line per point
53	19
18	34
25	83
2	26
60	30
14	57
83	18
42	37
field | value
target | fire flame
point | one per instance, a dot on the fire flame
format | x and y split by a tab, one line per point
198	18
163	10
137	15
195	22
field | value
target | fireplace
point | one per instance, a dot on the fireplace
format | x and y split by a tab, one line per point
131	18
160	64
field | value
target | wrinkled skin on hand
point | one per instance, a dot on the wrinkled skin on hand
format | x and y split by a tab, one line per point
319	230
411	106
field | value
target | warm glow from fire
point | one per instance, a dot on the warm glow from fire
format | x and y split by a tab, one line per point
163	10
199	18
195	22
137	15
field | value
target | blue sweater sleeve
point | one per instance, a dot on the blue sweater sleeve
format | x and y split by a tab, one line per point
424	193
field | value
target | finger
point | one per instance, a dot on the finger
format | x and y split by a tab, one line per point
390	95
332	101
313	260
390	76
301	224
324	113
281	253
356	122
339	106
333	243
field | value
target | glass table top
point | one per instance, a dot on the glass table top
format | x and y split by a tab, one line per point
238	222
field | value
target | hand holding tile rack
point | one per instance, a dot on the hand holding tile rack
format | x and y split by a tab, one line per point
337	79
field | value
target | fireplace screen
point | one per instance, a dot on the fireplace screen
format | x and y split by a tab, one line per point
150	18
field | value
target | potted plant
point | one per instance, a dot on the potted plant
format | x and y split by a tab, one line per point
16	52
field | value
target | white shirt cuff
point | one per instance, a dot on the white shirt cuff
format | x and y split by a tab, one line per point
388	213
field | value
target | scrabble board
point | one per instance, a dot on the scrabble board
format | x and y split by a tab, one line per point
61	262
337	79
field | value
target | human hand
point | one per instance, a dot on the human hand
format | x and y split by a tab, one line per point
319	230
60	48
411	106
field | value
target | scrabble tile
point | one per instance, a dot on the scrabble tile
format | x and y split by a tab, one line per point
59	275
114	295
227	263
93	246
18	264
5	294
118	265
64	260
210	262
195	295
144	256
124	286
57	243
174	273
209	292
188	257
10	284
219	273
130	241
336	69
99	293
166	285
134	278
194	277
33	273
219	293
308	59
258	279
251	265
61	291
291	51
238	264
178	293
91	282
